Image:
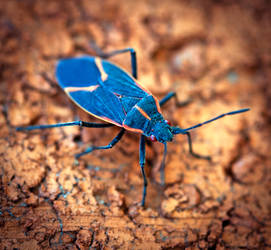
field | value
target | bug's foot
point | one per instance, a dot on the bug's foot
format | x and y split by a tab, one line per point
77	156
76	162
204	157
162	177
19	129
181	104
87	151
142	203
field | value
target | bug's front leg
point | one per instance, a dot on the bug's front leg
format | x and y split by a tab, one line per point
205	157
142	164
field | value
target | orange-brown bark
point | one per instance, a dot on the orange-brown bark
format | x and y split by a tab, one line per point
216	55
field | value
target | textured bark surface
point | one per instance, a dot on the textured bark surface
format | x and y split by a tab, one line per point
215	55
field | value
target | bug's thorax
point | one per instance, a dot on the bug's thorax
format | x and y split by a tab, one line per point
145	118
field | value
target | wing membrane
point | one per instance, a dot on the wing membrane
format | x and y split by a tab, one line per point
77	72
99	87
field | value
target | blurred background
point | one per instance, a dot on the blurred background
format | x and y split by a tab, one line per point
216	55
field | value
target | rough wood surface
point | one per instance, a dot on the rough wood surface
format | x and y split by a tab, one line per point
217	55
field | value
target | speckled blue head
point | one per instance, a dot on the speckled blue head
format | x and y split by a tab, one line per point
161	132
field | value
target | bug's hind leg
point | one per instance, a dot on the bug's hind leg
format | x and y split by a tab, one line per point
109	145
106	55
66	124
191	149
169	96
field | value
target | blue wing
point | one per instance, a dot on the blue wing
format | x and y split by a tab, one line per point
99	87
77	72
121	83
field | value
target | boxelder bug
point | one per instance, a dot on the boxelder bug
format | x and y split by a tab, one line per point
111	94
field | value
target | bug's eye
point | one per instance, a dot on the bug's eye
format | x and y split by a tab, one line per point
168	122
153	138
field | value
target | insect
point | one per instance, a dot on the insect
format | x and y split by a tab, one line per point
109	93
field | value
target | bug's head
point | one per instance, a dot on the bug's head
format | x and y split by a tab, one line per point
162	132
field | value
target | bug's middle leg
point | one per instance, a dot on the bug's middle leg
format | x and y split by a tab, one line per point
109	145
169	96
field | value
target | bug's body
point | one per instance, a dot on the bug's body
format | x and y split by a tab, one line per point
108	92
111	94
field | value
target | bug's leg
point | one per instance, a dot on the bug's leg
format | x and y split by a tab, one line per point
65	124
162	167
49	80
169	96
109	145
142	163
191	149
116	52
